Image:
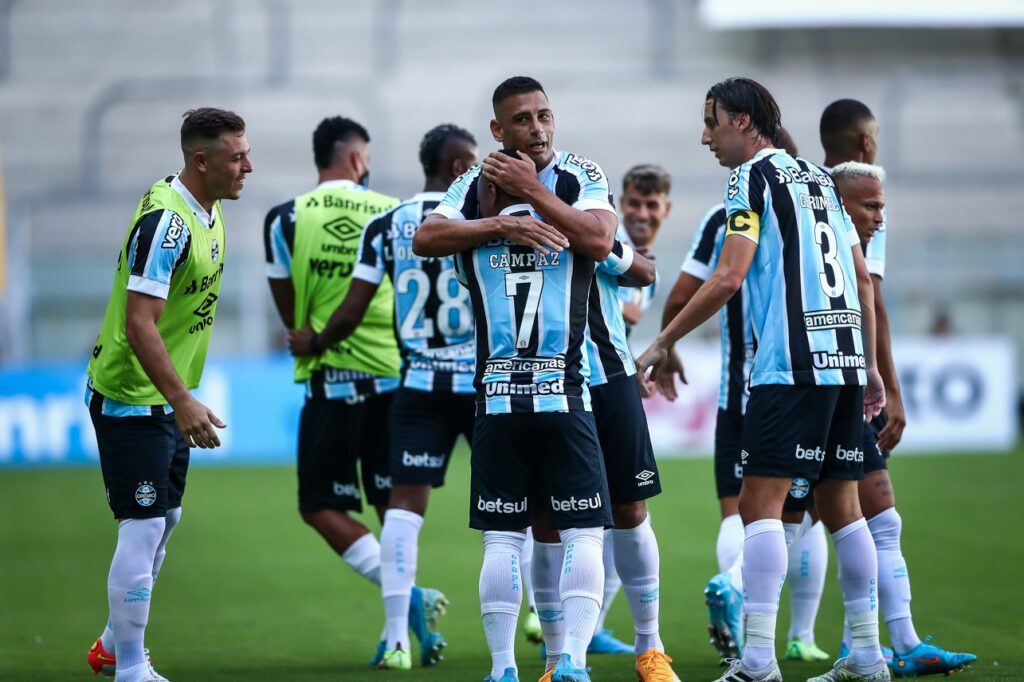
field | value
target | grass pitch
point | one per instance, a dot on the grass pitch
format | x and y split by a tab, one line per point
249	593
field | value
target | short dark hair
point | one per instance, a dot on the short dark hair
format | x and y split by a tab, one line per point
840	117
205	124
648	178
332	130
783	140
432	146
747	96
516	85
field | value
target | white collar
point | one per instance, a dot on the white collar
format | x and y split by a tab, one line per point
516	208
200	212
347	184
551	164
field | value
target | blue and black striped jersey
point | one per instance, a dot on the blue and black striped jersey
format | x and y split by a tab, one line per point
804	302
607	342
530	309
734	317
433	315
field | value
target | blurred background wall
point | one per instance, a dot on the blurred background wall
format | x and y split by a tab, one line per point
91	96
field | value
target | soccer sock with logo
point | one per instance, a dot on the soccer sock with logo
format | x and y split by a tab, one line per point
858	580
501	593
730	541
527	565
547	571
612	583
637	560
581	586
893	580
808	561
130	585
399	547
764	570
363	556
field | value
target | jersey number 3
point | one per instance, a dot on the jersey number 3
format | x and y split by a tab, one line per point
833	283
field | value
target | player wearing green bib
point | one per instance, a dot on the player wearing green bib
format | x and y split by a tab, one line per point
149	354
311	243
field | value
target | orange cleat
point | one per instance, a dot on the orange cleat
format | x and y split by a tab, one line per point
655	666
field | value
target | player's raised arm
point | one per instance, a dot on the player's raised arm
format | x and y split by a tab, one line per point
634	270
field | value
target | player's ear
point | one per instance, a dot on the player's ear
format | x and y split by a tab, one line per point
459	166
668	207
199	159
496	132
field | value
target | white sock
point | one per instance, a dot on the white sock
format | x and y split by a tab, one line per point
501	593
858	581
547	572
129	586
638	562
612	583
399	545
170	523
581	587
736	572
808	561
730	541
363	556
893	580
764	570
527	565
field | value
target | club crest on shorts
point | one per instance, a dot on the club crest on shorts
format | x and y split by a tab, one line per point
145	494
800	488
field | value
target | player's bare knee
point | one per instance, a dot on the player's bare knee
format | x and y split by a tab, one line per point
838	503
413	498
762	497
729	505
876	493
629	514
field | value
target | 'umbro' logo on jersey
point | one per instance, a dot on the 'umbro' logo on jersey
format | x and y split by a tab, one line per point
645	477
204	308
343	228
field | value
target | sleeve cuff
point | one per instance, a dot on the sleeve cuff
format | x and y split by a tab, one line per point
449	212
594	204
150	287
278	271
368	273
875	267
692	266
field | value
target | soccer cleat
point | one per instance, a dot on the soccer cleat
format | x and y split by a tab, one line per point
378	655
565	671
738	672
799	650
508	676
546	677
725	626
842	671
603	642
395	659
887	653
655	666
531	628
426	606
929	659
101	660
143	672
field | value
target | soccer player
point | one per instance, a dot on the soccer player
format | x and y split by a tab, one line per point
862	188
808	552
149	355
311	243
645	205
434	405
534	436
786	227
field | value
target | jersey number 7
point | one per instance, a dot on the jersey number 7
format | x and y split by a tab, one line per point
534	283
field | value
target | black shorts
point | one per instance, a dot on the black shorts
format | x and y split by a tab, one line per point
875	458
728	446
807	432
144	462
334	437
547	461
625	441
423	428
